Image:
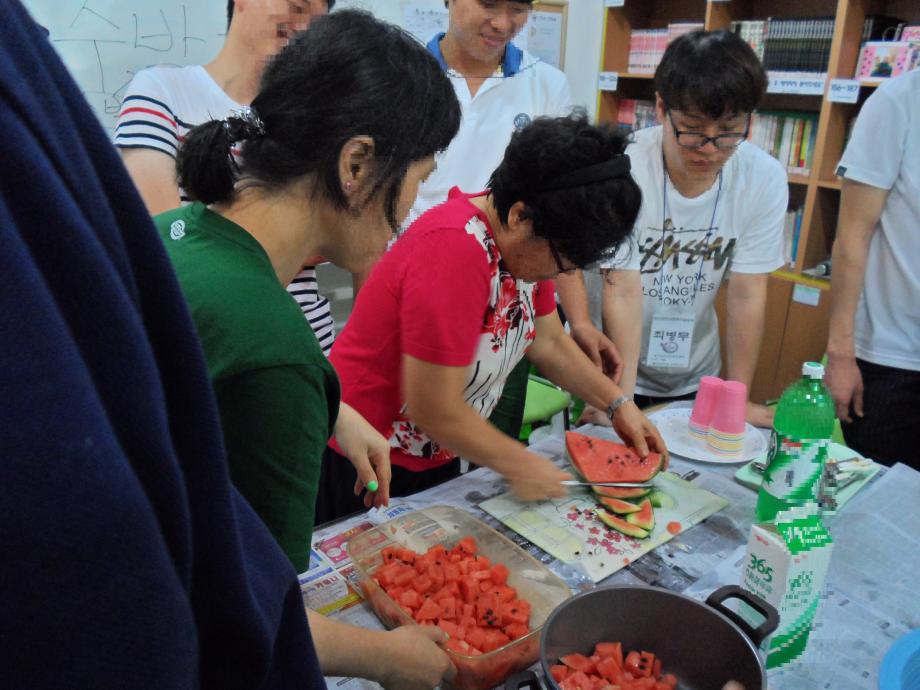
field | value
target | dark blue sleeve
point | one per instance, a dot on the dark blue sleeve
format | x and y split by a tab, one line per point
128	559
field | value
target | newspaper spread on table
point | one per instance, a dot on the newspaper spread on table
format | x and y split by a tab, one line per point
850	638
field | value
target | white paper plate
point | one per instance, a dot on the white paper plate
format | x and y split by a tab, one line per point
673	423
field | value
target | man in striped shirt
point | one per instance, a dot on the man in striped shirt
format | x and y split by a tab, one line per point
163	103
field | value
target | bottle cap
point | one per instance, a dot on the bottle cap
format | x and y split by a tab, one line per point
813	370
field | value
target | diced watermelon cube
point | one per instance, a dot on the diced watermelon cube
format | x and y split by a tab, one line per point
428	611
578	662
410	599
467	545
608	668
577	681
451	628
448	608
516	630
499	573
422	584
559	672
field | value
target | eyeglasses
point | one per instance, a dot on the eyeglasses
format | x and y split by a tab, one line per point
697	140
557	257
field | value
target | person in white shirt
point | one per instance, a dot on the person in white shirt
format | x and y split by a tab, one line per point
873	347
713	209
501	89
163	103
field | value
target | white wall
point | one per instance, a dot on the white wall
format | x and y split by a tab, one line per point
582	46
583	51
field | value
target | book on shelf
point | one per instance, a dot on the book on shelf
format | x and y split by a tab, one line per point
884	59
787	136
789	44
634	115
911	35
646	46
881	27
792	227
754	32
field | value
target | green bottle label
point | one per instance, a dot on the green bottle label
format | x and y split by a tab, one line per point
795	470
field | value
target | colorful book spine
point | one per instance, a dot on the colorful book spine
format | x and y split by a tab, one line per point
634	115
647	46
787	136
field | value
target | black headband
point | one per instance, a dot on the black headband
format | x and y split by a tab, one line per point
618	166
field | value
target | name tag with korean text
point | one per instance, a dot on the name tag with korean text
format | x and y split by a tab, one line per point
669	341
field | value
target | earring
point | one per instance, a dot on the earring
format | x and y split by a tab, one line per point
348	186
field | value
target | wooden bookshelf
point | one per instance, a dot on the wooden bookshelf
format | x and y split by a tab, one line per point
795	330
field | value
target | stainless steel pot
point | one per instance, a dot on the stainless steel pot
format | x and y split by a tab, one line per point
704	645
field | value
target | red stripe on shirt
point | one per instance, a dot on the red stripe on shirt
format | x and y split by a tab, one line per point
149	111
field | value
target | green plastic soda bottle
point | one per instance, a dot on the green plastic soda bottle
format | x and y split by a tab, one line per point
803	425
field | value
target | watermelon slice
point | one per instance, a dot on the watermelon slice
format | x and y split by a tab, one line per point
619	492
644	517
619	506
660	499
599	460
620	525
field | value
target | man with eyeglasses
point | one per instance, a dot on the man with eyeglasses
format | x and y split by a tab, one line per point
713	209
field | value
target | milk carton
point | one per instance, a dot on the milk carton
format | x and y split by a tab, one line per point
786	565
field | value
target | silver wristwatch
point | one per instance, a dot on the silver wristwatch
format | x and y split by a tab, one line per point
615	405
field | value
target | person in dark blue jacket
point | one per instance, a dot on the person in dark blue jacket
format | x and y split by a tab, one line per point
127	558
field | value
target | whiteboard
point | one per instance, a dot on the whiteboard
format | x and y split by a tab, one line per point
104	43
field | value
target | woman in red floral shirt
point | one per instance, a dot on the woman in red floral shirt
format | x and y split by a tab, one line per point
467	292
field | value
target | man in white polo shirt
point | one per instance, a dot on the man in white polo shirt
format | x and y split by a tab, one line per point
501	88
873	347
163	102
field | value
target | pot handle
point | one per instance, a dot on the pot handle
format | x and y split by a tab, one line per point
758	634
525	680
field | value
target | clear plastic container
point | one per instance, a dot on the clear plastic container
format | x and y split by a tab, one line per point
422	529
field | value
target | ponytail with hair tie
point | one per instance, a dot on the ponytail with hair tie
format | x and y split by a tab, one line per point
243	124
206	167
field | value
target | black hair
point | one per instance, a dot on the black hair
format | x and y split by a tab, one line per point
585	223
347	75
714	73
329	5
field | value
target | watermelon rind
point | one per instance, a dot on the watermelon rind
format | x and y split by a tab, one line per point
625	493
622	463
644	517
618	506
620	525
660	499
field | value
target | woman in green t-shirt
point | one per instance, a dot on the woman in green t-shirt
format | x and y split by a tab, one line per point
324	163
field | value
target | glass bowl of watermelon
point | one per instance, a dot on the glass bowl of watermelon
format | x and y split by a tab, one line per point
441	566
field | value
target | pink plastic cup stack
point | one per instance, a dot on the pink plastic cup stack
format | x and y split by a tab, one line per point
725	435
707	398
